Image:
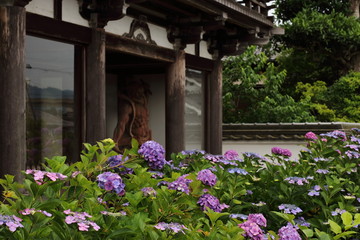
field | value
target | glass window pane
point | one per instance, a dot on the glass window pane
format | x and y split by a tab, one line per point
194	110
50	119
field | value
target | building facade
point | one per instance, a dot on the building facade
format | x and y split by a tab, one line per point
74	71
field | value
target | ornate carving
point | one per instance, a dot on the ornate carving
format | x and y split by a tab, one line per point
139	30
99	12
182	35
133	119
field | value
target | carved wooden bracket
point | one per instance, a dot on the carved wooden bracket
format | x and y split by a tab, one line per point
221	43
139	30
180	36
20	3
99	12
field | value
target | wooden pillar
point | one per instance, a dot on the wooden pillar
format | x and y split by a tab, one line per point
215	109
12	91
175	105
95	87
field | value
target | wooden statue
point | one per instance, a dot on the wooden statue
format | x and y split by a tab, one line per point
133	119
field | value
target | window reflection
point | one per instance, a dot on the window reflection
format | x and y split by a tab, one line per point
49	78
193	110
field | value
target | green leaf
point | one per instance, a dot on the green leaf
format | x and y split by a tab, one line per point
346	218
344	234
308	232
214	216
335	227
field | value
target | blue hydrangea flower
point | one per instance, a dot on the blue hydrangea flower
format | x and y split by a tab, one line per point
207	177
116	163
355	139
300	221
172	227
210	201
153	153
290	208
296	180
193	152
335	134
337	211
322	171
148	191
321	159
238	171
253	155
289	232
11	221
156	174
111	182
181	184
214	158
238	216
352	154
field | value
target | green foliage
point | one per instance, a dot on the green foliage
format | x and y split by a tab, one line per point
339	102
44	202
251	87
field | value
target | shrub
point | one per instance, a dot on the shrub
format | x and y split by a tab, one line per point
194	195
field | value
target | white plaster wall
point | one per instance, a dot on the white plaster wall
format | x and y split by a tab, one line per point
190	49
41	7
263	147
70	13
203	50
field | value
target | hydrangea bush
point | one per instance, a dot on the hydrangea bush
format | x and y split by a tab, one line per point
193	195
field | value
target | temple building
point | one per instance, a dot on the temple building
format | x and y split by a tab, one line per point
75	71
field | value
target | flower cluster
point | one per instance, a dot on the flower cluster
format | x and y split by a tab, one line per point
337	211
172	227
111	182
116	163
193	152
290	208
281	151
12	222
40	175
289	232
257	218
148	191
315	191
238	171
180	184
153	153
210	201
310	136
207	177
232	155
252	230
322	171
296	180
80	218
335	134
32	211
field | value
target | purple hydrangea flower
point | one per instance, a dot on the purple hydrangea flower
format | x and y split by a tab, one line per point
157	174
153	153
322	171
193	152
335	134
207	177
80	218
181	184
321	159
32	211
149	191
252	230
210	201
11	221
116	163
214	158
311	136
281	151
111	182
313	193
289	232
172	227
290	208
232	155
253	155
296	180
40	175
257	218
238	171
355	139
352	154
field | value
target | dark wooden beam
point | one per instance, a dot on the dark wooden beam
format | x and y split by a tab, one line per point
58	9
95	87
175	105
215	109
133	47
12	91
67	32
